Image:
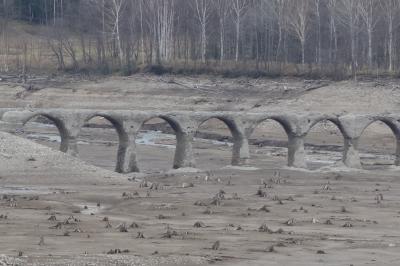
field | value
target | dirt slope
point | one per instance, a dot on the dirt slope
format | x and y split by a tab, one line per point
25	162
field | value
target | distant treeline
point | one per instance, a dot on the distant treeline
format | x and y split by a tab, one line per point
324	37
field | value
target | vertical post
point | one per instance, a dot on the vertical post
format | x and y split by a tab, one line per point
69	128
296	152
397	159
240	151
126	156
69	145
184	150
351	156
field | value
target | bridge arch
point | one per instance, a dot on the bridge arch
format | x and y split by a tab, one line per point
280	126
235	135
335	146
122	136
58	122
394	127
177	130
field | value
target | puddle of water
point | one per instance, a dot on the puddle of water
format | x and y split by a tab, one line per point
150	138
153	138
25	190
49	138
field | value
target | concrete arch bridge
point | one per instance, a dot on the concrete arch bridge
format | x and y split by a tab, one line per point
127	124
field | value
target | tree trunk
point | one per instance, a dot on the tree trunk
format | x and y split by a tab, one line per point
390	48
222	36
370	48
203	43
237	38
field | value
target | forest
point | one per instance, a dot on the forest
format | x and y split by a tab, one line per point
332	38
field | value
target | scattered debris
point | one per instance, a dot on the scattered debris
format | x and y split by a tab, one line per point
133	225
122	228
264	208
187	185
216	245
161	217
170	233
290	222
41	242
199	224
52	218
140	235
347	225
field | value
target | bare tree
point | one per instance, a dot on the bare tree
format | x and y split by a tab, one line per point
202	10
238	7
162	15
298	22
222	9
333	39
318	55
366	9
391	8
349	15
116	12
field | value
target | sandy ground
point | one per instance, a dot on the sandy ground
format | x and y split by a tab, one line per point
263	214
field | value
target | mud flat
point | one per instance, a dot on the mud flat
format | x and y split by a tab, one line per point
58	210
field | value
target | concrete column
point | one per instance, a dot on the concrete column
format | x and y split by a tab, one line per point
397	159
296	152
69	145
69	130
351	156
184	150
240	150
126	156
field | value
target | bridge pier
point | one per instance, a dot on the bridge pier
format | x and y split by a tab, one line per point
184	157
351	156
69	145
126	156
240	150
397	159
296	152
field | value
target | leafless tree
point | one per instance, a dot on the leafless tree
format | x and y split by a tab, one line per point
222	9
239	8
298	22
366	9
202	8
349	16
391	8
